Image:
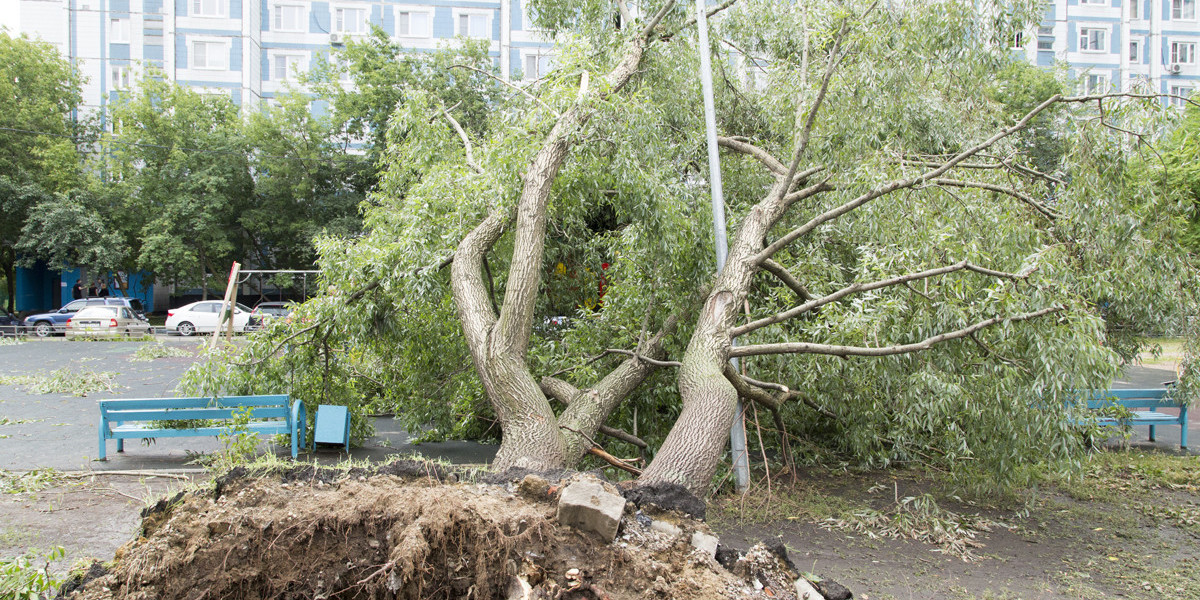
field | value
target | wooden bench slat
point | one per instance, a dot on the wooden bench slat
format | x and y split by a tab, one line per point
179	414
1139	398
225	402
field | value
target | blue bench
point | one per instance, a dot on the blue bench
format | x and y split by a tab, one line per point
133	419
1150	399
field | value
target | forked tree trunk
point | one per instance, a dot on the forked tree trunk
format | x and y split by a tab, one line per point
692	450
498	344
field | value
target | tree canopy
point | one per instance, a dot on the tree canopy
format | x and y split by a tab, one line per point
921	268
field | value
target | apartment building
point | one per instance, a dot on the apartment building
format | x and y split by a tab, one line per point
251	49
1128	45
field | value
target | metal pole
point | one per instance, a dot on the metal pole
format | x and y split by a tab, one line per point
737	432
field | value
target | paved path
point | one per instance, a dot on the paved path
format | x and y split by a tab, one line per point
61	431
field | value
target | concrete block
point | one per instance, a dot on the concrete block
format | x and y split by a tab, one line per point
806	591
705	543
586	506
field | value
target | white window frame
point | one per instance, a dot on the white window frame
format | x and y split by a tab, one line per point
470	15
337	22
118	30
1183	10
220	8
301	19
537	54
1180	90
1095	2
1183	53
1137	48
427	33
1096	83
120	77
223	44
1103	39
296	62
1135	10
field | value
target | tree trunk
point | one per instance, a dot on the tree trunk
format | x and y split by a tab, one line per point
498	344
692	450
7	265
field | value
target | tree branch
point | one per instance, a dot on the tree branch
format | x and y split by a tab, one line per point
894	185
855	288
785	276
466	142
624	436
1038	206
741	145
844	351
520	89
645	359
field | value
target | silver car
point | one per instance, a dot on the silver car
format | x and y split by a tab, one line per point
106	321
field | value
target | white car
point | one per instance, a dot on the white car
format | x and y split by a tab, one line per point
202	317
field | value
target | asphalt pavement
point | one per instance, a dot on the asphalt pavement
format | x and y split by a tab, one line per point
61	431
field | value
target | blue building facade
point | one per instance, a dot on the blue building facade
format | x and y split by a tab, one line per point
252	50
1120	45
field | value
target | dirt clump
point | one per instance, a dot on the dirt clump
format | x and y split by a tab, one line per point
376	535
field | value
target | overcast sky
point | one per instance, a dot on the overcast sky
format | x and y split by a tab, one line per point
9	16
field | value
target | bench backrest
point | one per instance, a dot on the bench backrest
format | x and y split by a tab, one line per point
163	409
1140	398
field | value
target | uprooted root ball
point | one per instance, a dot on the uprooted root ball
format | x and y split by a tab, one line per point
384	537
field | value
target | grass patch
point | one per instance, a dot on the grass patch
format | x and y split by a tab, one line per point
11	341
65	381
151	352
29	482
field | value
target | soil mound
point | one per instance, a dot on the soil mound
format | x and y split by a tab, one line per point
395	534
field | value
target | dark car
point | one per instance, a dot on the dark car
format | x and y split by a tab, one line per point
9	324
45	324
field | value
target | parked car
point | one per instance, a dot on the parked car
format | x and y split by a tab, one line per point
202	317
9	324
45	324
269	310
106	321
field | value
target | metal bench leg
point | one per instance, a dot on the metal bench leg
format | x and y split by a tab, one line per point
102	448
1183	425
120	445
1152	433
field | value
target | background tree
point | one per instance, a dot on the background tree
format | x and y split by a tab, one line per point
180	161
902	283
38	137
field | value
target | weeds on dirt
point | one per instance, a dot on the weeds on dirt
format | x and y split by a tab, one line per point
11	341
29	482
151	352
21	577
65	381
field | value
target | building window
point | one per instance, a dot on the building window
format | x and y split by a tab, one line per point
208	8
1183	9
285	66
414	23
208	55
476	25
1135	9
350	20
1183	53
1179	95
288	17
1135	51
1019	40
118	31
1093	39
120	77
1095	84
536	66
1094	2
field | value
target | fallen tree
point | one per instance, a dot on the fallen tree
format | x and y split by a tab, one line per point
905	282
